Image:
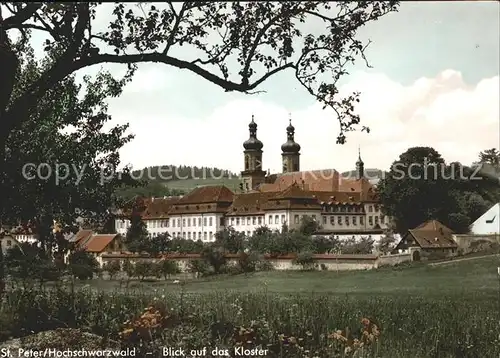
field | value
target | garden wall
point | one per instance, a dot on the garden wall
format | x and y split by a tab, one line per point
392	260
468	243
282	263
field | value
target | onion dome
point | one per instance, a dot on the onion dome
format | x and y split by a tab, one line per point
253	143
290	146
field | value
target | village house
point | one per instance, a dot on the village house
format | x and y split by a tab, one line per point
97	244
344	207
429	238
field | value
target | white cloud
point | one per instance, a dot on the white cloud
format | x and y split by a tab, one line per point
441	112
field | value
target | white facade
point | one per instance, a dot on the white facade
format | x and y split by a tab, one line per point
488	223
189	226
204	226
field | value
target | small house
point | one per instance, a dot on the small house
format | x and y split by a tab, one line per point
428	239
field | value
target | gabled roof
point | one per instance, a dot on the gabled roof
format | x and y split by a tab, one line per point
81	236
158	208
207	194
98	243
433	225
432	234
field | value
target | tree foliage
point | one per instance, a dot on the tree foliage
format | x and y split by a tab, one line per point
137	234
237	46
421	186
83	265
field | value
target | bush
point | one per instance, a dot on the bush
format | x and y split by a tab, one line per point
306	260
264	265
199	267
248	262
83	265
168	267
145	268
112	268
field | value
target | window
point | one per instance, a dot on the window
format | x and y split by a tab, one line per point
211	235
232	221
260	220
296	219
210	221
339	220
221	223
324	220
276	219
204	221
189	222
254	220
370	208
347	220
248	220
167	223
376	220
354	221
173	223
237	221
361	220
183	222
270	219
205	236
194	222
332	220
184	235
342	209
248	233
178	222
370	220
189	235
199	221
199	235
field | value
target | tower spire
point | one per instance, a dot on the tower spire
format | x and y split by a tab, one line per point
360	166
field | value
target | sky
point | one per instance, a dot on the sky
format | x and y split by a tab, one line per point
434	82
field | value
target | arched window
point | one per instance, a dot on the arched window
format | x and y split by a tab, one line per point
247	162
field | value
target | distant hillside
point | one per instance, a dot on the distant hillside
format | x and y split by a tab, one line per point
169	180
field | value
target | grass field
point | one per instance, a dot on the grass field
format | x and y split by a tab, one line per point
443	311
472	276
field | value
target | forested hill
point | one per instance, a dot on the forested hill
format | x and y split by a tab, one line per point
168	173
169	180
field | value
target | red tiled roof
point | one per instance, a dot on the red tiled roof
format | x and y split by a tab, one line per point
83	235
98	243
208	194
432	234
158	208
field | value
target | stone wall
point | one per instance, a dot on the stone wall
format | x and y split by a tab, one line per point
468	243
392	260
282	263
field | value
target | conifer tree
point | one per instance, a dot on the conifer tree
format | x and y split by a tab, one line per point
137	234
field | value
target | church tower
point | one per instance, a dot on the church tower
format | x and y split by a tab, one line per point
290	151
360	166
252	175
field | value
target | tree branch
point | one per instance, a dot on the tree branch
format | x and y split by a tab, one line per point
21	16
